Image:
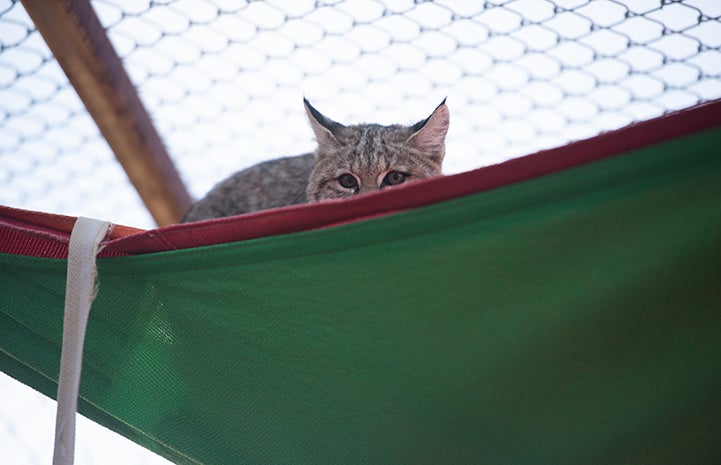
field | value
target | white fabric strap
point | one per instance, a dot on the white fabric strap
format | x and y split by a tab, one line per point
79	295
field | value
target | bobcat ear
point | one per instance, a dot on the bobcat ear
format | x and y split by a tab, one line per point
325	129
429	135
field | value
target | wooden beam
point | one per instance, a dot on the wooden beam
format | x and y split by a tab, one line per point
74	34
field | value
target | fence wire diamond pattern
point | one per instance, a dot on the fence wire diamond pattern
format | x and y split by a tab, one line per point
223	82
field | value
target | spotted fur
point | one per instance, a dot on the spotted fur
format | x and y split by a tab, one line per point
376	157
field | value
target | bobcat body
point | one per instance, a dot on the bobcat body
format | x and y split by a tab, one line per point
349	160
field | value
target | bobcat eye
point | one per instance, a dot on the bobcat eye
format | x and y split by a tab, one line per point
394	178
348	181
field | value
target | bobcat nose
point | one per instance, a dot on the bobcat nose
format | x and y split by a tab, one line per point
366	187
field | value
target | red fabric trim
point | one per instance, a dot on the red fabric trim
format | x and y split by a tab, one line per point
46	235
38	234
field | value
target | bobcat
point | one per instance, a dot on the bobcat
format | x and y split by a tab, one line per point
349	160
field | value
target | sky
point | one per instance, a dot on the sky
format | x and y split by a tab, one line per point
224	87
224	81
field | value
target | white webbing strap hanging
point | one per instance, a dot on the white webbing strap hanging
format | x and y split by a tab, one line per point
79	295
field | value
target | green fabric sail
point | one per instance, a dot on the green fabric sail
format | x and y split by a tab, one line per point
572	318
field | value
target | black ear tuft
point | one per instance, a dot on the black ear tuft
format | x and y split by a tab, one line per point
419	125
321	119
429	135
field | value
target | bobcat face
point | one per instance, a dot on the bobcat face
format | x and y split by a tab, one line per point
348	161
362	158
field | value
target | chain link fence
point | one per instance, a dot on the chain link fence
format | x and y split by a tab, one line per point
224	81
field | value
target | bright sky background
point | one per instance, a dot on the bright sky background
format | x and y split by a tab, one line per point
224	81
224	84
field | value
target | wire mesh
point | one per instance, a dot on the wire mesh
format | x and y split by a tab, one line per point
224	81
52	157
